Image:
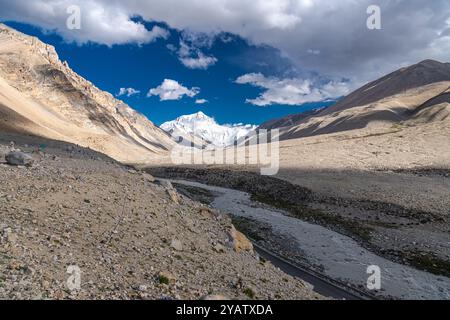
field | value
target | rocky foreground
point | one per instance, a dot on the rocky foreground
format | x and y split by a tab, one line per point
132	237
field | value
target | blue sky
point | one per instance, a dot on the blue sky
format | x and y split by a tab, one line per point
143	67
252	60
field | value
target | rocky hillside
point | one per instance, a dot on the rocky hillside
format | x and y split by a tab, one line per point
43	96
131	237
409	96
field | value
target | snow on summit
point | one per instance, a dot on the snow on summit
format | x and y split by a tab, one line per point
206	128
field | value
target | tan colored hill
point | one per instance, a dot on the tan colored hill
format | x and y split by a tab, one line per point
40	95
417	94
419	75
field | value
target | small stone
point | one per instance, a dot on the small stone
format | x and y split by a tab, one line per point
12	238
9	235
15	265
207	213
45	284
219	248
148	177
177	245
142	288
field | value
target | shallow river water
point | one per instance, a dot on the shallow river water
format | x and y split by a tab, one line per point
341	257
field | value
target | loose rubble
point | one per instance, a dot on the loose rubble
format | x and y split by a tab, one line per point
126	235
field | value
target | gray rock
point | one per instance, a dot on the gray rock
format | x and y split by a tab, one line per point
142	288
177	245
17	158
9	235
148	177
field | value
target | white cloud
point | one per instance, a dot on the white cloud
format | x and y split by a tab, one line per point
101	21
193	58
171	47
291	91
201	101
337	29
128	92
172	90
200	62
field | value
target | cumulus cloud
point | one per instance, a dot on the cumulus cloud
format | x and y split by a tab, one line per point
101	22
199	62
172	90
412	30
189	51
201	101
128	92
193	58
291	91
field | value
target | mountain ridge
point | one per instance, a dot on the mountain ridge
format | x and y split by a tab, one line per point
55	102
399	97
421	74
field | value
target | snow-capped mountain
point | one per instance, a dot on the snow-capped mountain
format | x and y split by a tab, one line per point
203	130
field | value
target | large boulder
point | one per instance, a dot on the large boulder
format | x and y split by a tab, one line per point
17	158
239	241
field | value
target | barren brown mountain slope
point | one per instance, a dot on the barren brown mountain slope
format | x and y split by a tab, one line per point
41	95
418	75
418	94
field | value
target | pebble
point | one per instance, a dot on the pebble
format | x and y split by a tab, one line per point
177	245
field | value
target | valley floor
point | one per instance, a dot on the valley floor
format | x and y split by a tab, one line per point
405	165
388	189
